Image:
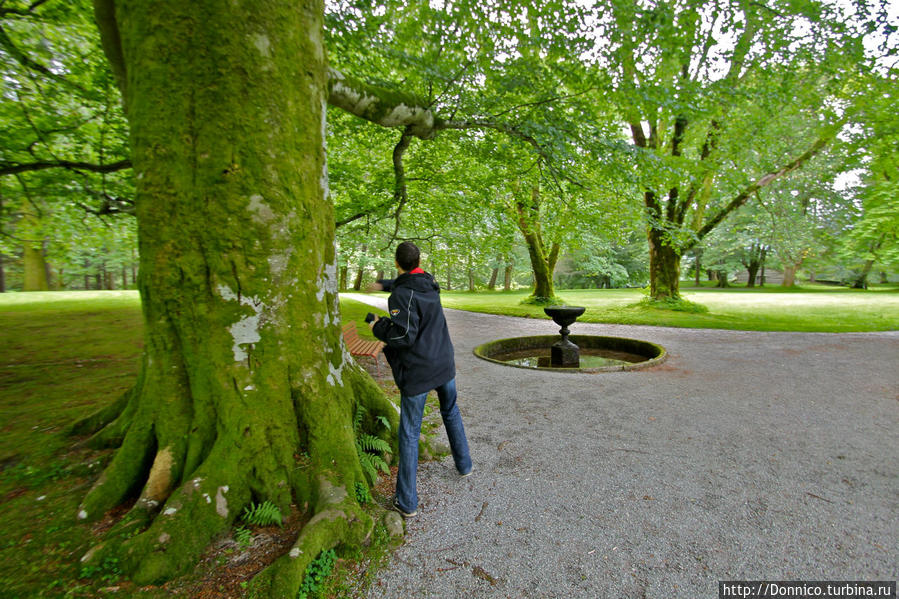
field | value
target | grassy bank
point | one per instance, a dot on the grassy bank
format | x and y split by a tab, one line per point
809	309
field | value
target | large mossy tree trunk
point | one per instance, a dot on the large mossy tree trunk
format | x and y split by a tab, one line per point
543	261
246	391
664	266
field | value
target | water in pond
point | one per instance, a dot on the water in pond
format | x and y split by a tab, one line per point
590	358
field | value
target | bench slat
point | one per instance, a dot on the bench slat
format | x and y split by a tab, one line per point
361	347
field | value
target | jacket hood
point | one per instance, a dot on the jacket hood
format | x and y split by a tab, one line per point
419	282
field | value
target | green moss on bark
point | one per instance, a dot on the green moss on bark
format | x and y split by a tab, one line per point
245	368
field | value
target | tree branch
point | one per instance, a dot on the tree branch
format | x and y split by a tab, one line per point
742	197
12	168
104	14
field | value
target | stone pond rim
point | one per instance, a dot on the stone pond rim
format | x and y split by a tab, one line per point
655	354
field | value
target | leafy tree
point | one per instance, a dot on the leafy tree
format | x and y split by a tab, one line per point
712	94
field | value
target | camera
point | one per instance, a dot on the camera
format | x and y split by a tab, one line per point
369	317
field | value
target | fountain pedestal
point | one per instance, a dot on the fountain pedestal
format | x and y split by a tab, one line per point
564	353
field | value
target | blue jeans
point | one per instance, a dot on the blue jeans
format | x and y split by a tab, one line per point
411	412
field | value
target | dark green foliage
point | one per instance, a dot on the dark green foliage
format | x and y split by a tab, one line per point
362	494
316	573
107	571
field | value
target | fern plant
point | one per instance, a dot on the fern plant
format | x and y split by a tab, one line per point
370	448
262	514
243	537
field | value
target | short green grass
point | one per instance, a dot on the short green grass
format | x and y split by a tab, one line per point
809	309
62	356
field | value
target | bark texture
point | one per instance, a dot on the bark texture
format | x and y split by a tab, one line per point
244	369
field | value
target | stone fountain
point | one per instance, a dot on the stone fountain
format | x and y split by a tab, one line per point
564	353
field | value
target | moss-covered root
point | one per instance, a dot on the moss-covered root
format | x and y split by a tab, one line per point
99	419
124	475
338	519
201	508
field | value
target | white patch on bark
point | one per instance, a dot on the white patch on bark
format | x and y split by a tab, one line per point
277	263
164	538
260	211
323	178
82	515
221	504
249	388
207	498
246	330
295	552
327	280
169	511
262	44
404	115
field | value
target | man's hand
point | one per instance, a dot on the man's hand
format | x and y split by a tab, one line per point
371	325
375	287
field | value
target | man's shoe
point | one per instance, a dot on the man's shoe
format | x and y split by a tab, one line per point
466	474
402	512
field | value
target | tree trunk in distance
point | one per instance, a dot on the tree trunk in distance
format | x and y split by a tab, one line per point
2	276
35	269
124	277
470	279
507	278
664	267
722	279
698	267
790	275
861	282
247	392
752	268
357	284
343	276
491	285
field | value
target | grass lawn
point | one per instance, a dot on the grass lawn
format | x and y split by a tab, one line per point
62	356
811	308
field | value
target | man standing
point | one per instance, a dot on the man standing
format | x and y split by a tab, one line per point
420	355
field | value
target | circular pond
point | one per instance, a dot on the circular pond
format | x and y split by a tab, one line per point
597	354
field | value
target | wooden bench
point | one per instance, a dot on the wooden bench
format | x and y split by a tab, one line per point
362	347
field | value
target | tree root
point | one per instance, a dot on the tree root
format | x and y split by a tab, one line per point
338	519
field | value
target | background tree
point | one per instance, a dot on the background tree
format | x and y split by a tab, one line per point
704	89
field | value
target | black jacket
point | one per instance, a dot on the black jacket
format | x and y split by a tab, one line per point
419	349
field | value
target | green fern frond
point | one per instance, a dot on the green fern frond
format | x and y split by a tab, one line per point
264	514
357	418
372	444
366	460
384	421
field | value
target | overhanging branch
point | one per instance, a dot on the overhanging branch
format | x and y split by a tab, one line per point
13	168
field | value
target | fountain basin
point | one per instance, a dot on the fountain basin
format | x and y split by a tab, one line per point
597	353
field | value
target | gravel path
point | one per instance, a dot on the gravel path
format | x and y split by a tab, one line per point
745	456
